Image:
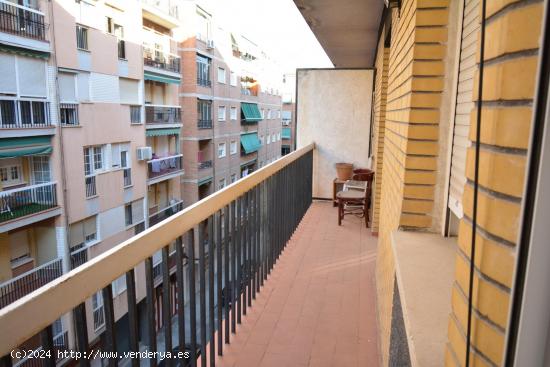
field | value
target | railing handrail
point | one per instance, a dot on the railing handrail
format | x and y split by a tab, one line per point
66	292
162	106
27	273
22	7
168	207
24	188
165	158
168	53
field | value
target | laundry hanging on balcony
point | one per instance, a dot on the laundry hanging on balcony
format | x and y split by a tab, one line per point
251	112
20	147
250	142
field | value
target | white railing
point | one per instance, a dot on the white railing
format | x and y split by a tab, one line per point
27	200
24	113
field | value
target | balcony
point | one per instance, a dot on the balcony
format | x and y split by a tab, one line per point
163	12
162	115
161	60
165	213
228	274
22	21
165	168
20	286
25	117
27	201
204	164
204	124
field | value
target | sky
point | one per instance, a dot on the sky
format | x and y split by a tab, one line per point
278	28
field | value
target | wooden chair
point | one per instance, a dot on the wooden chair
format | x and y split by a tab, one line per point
355	199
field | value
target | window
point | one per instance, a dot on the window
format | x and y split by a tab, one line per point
263	114
135	114
278	136
203	71
98	311
203	29
273	138
128	214
83	233
221	150
119	33
82	37
233	147
221	184
204	110
268	139
262	139
233	177
278	114
233	113
221	75
11	174
119	285
109	25
268	114
221	113
68	114
93	160
233	79
133	213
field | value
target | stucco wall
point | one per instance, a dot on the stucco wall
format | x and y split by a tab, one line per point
334	111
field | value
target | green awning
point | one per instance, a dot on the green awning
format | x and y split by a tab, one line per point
20	147
162	132
161	78
251	112
205	180
24	51
250	142
285	133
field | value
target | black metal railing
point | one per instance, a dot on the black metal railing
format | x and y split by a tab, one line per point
165	213
161	60
204	82
241	233
91	188
24	284
204	124
22	21
27	200
164	166
205	164
162	115
79	257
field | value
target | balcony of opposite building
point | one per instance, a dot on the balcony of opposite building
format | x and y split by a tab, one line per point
162	116
23	27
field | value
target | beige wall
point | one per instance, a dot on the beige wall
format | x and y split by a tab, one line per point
334	111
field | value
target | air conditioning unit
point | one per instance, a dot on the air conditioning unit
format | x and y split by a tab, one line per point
210	44
144	153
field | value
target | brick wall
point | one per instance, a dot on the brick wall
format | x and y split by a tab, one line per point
511	56
415	84
379	109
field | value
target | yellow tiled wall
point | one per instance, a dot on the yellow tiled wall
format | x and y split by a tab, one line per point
379	109
513	30
415	85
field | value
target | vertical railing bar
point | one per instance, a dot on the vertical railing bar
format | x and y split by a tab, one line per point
238	222
46	339
246	249
6	361
166	309
192	295
227	296
180	289
211	258
233	287
219	280
81	330
150	307
254	227
110	337
258	240
202	295
132	315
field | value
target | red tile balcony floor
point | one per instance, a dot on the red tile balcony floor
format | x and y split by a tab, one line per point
318	305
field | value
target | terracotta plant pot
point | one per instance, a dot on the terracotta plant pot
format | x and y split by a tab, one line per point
344	171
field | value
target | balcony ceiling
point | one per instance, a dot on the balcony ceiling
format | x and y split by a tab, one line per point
347	29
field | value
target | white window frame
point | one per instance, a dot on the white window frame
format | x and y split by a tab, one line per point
232	78
222	183
233	177
233	113
268	114
233	147
220	78
93	159
278	136
9	169
222	112
268	139
222	152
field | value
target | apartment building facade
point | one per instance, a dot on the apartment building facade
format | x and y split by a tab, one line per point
288	117
230	102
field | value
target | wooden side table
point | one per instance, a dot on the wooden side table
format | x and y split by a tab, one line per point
337	185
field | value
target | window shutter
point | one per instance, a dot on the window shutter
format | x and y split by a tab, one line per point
32	77
137	211
83	84
90	226
464	105
67	91
8	83
129	89
115	155
76	234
